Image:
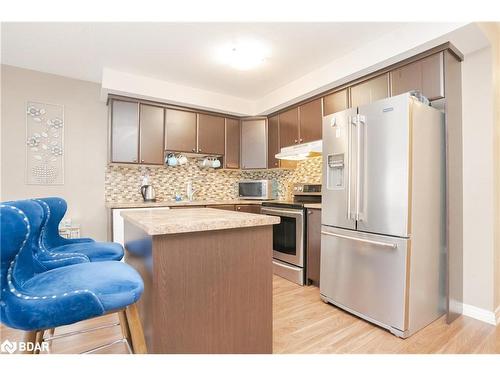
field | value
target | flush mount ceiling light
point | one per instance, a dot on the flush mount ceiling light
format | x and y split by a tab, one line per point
243	54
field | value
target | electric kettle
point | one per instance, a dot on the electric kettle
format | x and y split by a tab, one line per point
148	193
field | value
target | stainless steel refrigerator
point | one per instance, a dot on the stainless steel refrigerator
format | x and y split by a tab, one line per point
383	244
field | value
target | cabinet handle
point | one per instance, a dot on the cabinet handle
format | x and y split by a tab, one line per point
300	140
194	150
238	208
199	150
295	141
142	160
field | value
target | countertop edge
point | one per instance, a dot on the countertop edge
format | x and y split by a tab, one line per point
160	230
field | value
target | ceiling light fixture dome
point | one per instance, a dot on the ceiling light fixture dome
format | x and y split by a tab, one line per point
243	54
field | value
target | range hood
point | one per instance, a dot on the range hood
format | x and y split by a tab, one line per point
301	151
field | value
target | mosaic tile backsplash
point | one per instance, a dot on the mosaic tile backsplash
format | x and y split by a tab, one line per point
122	183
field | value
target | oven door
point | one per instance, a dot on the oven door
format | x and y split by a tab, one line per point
288	235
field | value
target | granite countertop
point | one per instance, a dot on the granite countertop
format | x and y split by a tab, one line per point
177	204
313	205
158	222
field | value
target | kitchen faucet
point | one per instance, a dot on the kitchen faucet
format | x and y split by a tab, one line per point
190	191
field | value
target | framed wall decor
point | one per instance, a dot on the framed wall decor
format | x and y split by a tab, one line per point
44	143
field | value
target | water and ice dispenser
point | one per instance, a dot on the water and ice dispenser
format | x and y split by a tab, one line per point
335	172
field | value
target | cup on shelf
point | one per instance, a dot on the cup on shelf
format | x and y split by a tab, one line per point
215	163
181	159
171	160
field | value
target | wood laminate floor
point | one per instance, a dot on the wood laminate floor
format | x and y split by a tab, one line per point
304	324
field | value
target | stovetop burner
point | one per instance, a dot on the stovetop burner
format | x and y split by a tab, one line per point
302	193
285	204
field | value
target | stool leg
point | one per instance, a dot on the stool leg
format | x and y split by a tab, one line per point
30	340
124	327
135	329
38	341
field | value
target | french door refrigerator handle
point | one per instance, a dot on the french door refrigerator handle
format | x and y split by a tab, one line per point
377	243
360	119
358	175
349	159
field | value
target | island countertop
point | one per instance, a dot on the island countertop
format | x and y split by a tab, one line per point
158	222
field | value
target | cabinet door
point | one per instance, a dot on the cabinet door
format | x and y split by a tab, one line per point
289	127
273	146
124	131
313	245
369	91
210	134
433	76
232	154
250	208
253	144
310	121
151	135
407	78
336	102
426	75
180	130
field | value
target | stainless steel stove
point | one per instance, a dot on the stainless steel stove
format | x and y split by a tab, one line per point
289	236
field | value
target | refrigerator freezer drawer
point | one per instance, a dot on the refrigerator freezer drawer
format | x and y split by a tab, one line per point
366	274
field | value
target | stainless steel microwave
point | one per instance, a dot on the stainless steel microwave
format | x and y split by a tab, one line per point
256	189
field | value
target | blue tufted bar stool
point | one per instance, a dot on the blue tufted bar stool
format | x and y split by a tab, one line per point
54	210
35	298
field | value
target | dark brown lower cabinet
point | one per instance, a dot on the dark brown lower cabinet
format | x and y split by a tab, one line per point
228	207
313	245
251	208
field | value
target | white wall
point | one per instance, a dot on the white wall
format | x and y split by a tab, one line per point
478	177
85	141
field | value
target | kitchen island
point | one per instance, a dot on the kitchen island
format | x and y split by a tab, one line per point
207	279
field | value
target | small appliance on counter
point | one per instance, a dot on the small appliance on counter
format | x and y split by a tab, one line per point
289	236
257	189
147	191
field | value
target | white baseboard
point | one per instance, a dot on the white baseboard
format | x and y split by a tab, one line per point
490	317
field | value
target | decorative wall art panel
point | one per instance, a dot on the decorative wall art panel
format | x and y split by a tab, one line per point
44	144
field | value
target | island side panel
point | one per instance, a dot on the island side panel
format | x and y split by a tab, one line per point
213	291
138	254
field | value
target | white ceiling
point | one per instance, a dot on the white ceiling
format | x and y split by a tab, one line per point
182	53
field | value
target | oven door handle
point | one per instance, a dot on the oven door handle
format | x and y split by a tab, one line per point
282	212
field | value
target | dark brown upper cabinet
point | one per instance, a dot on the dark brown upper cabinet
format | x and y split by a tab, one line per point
310	121
336	102
273	145
232	154
289	127
210	134
371	90
180	130
254	143
124	131
426	75
151	134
